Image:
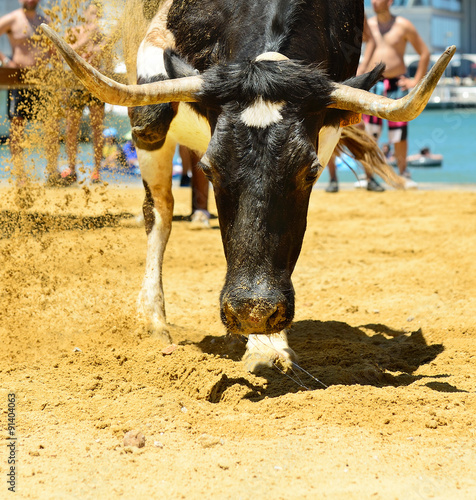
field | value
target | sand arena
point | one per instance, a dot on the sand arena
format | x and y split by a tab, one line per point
385	318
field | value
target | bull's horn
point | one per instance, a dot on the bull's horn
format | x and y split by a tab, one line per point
107	90
405	109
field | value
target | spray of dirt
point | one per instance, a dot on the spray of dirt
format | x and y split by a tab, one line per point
51	87
386	294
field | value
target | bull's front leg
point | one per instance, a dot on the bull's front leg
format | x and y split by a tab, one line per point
156	170
155	151
266	350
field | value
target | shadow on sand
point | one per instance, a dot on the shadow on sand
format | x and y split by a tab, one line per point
336	353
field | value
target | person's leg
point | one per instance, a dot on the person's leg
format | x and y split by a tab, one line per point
397	134
23	195
52	144
373	126
401	151
333	186
17	130
73	122
332	169
186	166
97	121
200	186
373	185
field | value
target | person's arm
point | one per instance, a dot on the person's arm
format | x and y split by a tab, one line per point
370	45
5	26
81	36
421	49
6	62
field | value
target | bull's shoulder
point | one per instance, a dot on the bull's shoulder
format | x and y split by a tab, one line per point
138	17
149	7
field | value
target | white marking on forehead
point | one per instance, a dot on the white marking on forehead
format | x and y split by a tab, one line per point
271	56
262	114
150	61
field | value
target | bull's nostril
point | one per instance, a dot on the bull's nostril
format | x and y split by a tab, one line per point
277	316
231	316
260	312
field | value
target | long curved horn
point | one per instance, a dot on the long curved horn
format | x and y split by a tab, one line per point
112	92
405	109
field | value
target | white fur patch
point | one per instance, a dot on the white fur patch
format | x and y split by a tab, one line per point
155	244
265	350
276	344
156	170
272	56
150	61
151	298
190	129
262	114
156	166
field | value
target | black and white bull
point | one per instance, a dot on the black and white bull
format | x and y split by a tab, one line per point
252	85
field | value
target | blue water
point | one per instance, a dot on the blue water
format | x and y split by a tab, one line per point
450	132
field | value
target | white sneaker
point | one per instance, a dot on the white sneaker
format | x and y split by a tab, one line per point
361	183
200	220
409	182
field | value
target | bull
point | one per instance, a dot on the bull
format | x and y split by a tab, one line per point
261	90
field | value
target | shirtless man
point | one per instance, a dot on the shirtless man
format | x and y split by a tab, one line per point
391	34
90	43
20	26
372	184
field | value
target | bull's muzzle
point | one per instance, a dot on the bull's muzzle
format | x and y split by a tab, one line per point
244	314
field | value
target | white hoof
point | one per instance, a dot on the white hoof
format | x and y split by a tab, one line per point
153	331
153	322
265	350
160	333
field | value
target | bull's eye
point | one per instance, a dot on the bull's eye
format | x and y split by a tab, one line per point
206	170
314	172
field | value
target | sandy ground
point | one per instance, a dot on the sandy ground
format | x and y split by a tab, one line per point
385	317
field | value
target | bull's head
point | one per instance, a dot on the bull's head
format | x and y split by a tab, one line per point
265	118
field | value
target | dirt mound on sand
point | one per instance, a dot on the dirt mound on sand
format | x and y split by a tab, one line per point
382	403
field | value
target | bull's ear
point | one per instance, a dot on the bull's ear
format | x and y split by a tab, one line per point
367	80
176	67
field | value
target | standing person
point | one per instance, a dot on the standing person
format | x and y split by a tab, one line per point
372	184
130	154
21	26
113	156
369	50
200	218
391	34
186	166
88	41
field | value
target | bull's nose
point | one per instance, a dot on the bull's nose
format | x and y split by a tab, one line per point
254	315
